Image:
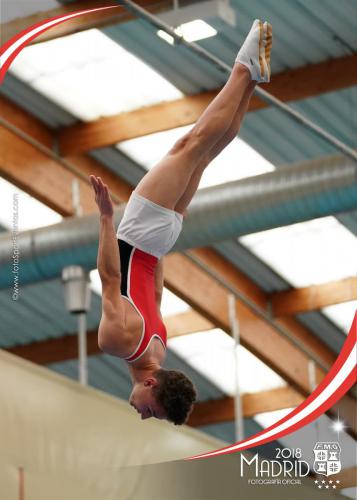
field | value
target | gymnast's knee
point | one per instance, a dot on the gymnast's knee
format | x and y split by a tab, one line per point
191	144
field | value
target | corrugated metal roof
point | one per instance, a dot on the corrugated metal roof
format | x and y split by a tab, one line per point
324	329
282	141
253	267
35	103
304	33
40	314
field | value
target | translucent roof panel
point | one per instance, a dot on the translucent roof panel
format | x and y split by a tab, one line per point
212	354
191	31
307	253
29	213
270	417
311	253
91	76
149	149
237	161
95	283
171	304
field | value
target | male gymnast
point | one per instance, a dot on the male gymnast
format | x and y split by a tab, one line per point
130	261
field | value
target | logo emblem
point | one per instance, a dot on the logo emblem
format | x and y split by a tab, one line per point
327	458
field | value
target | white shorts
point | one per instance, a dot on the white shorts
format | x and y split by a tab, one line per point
149	227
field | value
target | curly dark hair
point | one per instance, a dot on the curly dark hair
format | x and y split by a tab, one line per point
176	394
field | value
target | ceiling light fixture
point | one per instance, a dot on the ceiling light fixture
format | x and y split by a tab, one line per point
189	21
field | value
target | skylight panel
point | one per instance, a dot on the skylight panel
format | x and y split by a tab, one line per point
18	206
269	418
307	253
95	282
149	149
342	314
91	76
190	31
237	161
212	354
171	304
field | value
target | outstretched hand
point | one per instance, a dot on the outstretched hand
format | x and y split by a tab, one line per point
102	196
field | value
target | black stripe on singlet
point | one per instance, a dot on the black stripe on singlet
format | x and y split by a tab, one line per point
125	251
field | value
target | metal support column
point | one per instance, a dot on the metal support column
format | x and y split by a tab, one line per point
82	348
238	410
77	299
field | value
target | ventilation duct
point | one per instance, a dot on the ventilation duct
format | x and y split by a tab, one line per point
297	193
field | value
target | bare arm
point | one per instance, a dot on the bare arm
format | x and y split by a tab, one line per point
108	263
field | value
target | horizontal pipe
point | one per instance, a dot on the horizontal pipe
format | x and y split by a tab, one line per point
286	196
292	194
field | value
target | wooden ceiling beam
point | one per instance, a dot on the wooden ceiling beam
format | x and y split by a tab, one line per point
32	171
314	297
292	85
40	175
217	411
186	323
56	350
26	122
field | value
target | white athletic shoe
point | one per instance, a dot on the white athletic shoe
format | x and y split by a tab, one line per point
255	51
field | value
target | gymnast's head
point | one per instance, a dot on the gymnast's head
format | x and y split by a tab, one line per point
166	394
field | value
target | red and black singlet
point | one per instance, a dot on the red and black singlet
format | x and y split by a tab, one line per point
138	287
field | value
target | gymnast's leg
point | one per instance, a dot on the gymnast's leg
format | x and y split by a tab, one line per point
168	181
230	134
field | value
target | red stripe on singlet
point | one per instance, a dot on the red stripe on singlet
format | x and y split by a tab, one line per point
141	292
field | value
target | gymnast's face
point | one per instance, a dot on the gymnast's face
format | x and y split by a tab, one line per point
143	400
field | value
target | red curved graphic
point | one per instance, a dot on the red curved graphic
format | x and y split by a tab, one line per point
337	382
13	47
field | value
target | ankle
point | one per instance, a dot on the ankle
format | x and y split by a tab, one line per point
242	71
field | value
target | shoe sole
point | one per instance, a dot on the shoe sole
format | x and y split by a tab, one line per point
260	49
265	33
269	43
